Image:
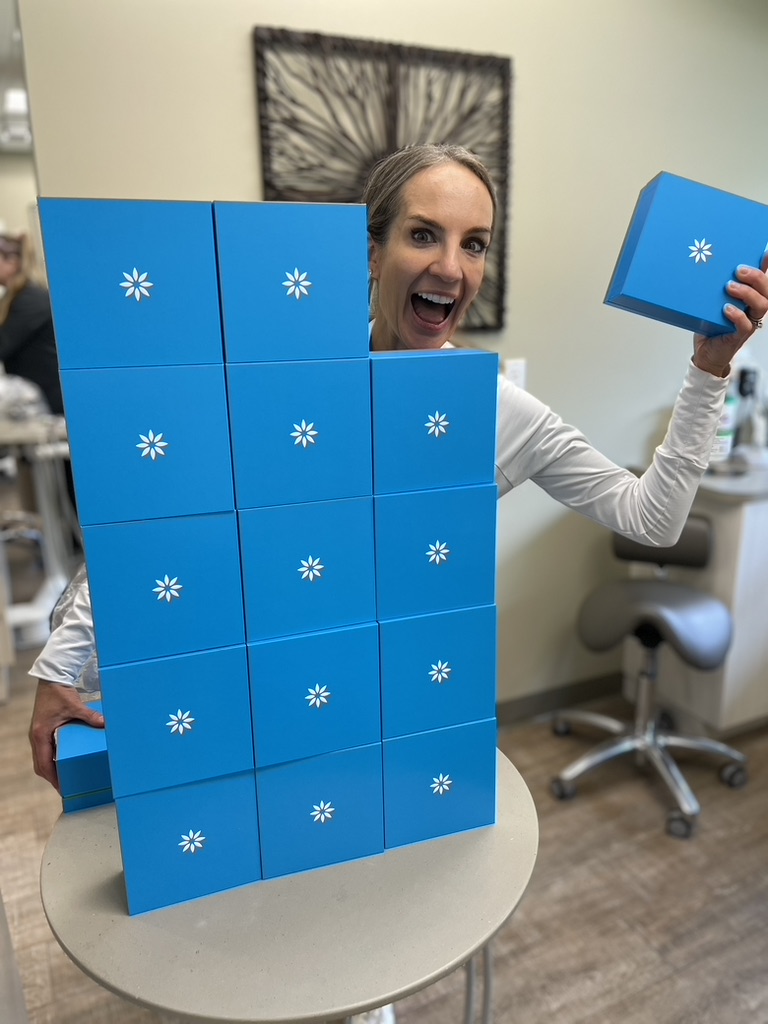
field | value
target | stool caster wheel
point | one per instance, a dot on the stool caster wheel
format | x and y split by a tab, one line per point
734	775
563	790
561	728
679	826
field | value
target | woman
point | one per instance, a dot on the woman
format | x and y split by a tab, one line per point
431	215
27	344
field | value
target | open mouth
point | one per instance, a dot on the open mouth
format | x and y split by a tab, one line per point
432	309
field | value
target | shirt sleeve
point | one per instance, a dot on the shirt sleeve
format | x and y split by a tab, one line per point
534	443
72	643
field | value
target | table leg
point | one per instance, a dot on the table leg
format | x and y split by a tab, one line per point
486	1015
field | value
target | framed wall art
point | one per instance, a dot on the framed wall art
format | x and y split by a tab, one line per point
330	106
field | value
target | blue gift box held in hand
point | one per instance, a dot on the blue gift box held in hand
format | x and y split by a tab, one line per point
685	240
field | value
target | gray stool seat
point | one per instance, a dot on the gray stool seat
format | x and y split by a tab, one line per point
696	626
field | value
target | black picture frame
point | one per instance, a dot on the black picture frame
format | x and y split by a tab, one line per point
330	106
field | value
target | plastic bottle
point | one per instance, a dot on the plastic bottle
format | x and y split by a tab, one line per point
722	446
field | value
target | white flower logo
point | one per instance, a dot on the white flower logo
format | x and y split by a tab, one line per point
304	433
192	842
318	696
152	445
441	785
180	722
322	812
297	283
136	285
701	251
438	552
438	424
311	569
167	588
440	672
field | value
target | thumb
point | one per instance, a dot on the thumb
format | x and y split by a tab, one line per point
91	717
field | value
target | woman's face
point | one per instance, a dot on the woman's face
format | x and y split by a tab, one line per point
431	266
9	268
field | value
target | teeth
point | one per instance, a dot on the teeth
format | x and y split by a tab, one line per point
440	299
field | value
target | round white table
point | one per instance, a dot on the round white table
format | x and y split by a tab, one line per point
308	948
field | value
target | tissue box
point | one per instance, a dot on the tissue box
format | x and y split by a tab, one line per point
683	245
83	765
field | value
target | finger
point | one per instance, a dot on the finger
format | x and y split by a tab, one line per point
43	758
91	717
742	323
753	295
764	261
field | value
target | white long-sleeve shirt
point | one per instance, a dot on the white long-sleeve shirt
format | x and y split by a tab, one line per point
532	443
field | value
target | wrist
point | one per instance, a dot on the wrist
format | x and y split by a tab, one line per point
716	371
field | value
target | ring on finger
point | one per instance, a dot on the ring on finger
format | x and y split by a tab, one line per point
757	322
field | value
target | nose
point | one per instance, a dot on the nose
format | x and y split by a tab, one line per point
446	263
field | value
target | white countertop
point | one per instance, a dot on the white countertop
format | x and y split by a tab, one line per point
751	485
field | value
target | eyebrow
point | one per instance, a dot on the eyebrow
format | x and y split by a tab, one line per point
435	224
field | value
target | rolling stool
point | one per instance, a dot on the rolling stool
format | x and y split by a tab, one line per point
697	626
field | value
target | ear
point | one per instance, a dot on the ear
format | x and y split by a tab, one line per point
374	259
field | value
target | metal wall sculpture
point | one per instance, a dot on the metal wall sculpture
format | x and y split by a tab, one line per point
330	106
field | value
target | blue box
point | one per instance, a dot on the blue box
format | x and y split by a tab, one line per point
320	810
434	419
300	431
294	280
176	720
438	670
82	764
307	567
440	782
315	693
189	841
684	243
149	442
435	550
133	282
165	586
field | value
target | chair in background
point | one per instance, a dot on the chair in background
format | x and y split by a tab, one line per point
655	611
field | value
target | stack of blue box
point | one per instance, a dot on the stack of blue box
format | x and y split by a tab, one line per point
294	613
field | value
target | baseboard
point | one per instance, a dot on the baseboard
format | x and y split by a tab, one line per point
536	704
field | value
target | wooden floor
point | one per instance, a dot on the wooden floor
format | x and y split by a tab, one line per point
620	925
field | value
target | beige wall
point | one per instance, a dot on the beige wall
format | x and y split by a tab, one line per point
18	191
158	101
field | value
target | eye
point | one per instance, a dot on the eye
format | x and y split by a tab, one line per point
476	245
423	235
